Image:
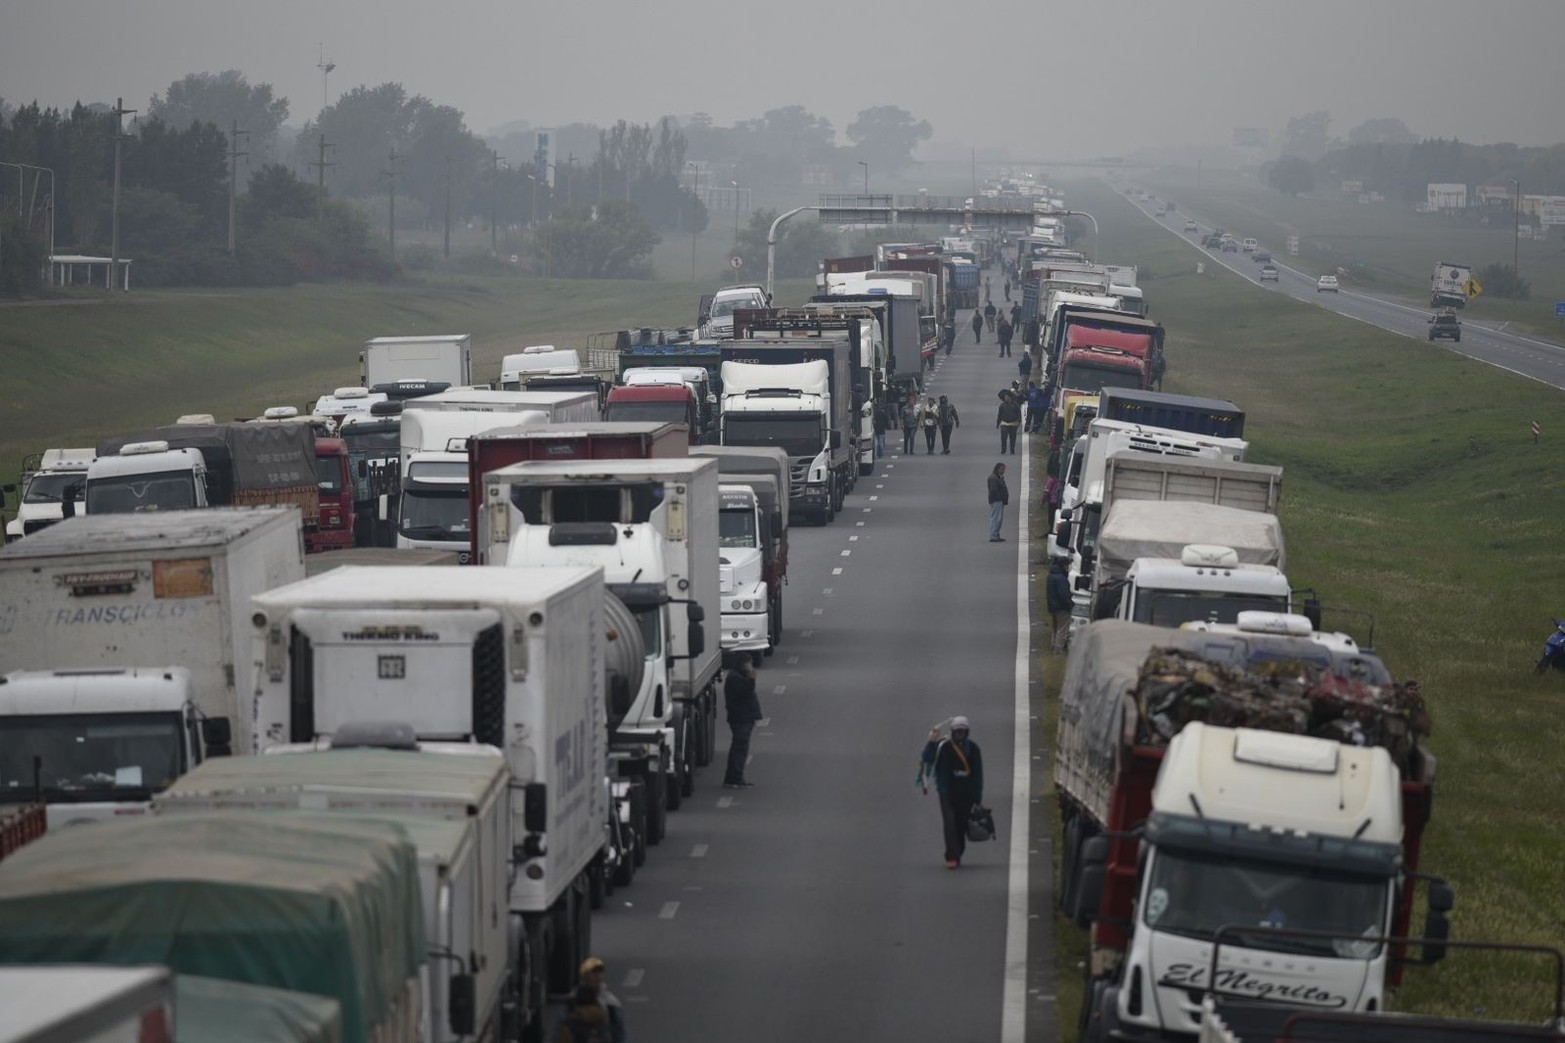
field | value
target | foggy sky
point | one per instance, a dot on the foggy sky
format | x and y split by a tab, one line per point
1080	78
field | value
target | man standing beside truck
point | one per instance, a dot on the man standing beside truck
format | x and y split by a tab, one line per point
744	709
958	768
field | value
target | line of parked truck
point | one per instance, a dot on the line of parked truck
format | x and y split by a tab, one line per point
1243	794
209	643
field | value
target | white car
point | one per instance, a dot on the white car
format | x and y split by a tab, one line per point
1326	283
1250	245
1191	226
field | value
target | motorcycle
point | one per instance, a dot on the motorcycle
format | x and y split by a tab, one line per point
1554	649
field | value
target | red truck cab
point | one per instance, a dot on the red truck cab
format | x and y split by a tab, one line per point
1095	358
334	530
655	403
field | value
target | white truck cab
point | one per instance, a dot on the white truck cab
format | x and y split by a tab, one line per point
147	476
741	586
60	479
1205	584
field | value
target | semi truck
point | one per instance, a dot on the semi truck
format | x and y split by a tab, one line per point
118	593
518	369
1449	285
902	331
198	462
295	900
668	400
333	525
454	804
652	527
796	397
866	356
757	521
697	378
446	358
1307	814
604	440
1215	417
512	659
1093	358
103	742
374	442
60	477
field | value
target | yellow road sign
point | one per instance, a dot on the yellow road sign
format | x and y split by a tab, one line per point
1472	287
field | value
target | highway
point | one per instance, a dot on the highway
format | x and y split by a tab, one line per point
1482	340
817	905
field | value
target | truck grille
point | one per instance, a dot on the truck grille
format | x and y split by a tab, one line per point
489	687
798	472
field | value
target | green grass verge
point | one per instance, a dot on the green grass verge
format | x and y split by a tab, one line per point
1381	247
1414	491
82	367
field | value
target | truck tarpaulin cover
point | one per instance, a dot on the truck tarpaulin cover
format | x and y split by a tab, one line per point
1161	529
209	1010
249	465
315	903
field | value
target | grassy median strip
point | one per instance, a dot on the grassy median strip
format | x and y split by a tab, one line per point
1413	491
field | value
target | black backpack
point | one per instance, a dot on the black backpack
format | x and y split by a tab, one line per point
588	1031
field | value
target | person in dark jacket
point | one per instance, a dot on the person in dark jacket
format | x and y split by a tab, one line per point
1003	331
744	709
1024	364
882	425
958	769
1036	406
1016	316
945	412
978	327
586	1020
1009	421
999	496
990	311
1058	590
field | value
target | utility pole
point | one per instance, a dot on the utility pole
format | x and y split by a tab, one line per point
1198	175
120	112
233	182
448	207
494	200
1516	232
326	67
320	166
391	221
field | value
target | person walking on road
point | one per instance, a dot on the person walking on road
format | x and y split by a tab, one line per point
909	426
990	311
1035	404
929	420
946	414
999	496
948	337
1058	590
595	974
1003	330
1007	288
978	327
1024	364
882	423
1159	364
1009	421
586	1021
957	766
744	709
986	289
1016	316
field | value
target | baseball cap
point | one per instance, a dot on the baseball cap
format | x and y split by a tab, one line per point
590	964
960	724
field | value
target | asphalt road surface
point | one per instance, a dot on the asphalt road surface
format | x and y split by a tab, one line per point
817	905
1482	340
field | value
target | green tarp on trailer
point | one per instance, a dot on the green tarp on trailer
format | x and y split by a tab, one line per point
309	902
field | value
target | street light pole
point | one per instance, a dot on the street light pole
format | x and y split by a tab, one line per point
735	185
1516	227
120	111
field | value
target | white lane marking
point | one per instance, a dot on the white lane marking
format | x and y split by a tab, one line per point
699	851
852	539
818	612
633	978
725	802
868	509
874	498
780	689
805	633
793	660
837	571
847	554
826	591
1013	1003
668	910
880	486
859	524
764	722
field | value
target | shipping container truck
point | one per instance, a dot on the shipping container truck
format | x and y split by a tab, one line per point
1307	814
295	900
446	358
512	659
112	592
652	527
454	804
604	440
1449	285
197	462
902	331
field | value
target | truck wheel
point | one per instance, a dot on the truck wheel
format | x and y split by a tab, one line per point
625	868
657	805
638	824
674	789
567	948
1064	892
599	887
774	618
534	981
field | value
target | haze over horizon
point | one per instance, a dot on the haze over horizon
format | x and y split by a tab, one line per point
1087	81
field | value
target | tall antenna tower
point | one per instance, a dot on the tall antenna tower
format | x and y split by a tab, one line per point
326	67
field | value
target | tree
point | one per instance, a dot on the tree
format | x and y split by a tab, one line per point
610	240
223	99
276	193
189	163
1387	130
886	136
1291	174
1501	280
21	258
1306	135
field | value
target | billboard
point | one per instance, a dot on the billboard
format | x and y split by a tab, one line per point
1446	197
1551	215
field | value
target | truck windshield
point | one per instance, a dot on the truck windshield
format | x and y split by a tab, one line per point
52	488
430	515
370	445
736	528
1193	895
108	756
1080	376
795	435
127	494
328	474
1170	608
658	412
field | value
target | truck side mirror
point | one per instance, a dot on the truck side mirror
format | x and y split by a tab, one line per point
1437	928
1062	533
696	615
1312	612
217	736
1091	873
462	1004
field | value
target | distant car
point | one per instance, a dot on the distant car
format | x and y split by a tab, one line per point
1191	226
1445	327
1326	283
1268	273
1250	245
1161	210
1212	242
1261	257
1230	246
